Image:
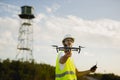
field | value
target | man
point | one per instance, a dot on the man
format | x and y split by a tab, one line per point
65	68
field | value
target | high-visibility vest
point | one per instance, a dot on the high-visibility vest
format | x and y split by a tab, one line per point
68	72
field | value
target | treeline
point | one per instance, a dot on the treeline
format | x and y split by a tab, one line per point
18	70
24	70
109	76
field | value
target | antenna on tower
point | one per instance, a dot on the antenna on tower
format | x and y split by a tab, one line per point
25	37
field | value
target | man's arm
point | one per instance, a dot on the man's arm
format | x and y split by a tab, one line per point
83	73
64	58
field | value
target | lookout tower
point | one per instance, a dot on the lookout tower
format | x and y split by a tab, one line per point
25	37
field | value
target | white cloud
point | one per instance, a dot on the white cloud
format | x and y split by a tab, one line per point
103	27
48	9
98	36
105	31
50	29
7	23
8	37
53	8
88	54
8	8
39	17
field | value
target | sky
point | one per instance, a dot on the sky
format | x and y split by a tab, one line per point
95	24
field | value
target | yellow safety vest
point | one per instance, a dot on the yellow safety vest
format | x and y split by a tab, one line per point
68	72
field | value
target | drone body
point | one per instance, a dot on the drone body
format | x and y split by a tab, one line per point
78	49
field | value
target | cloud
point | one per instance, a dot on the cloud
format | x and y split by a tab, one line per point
8	8
88	54
39	18
104	27
99	37
49	10
8	38
53	8
49	30
101	33
7	23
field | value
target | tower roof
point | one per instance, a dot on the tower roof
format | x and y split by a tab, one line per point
27	12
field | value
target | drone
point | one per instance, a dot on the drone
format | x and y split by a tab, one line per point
78	49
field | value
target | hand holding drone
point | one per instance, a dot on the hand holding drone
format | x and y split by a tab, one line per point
68	48
93	69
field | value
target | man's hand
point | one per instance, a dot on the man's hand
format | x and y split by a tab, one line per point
93	69
68	53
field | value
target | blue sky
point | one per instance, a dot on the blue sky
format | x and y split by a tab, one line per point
86	9
95	24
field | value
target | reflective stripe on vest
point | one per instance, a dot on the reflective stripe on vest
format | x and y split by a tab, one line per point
65	73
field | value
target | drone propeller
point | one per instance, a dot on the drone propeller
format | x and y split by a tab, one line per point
54	46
